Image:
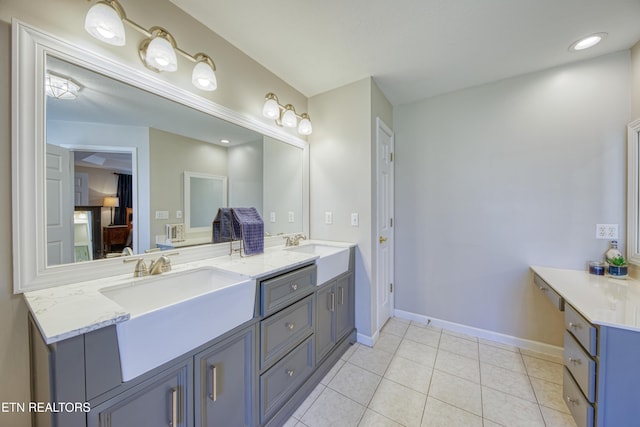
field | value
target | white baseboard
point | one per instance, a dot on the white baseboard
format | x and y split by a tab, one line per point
367	340
482	333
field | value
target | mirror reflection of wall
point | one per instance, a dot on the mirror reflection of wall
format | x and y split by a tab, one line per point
163	139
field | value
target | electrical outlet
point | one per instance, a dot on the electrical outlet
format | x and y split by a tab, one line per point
272	217
291	217
607	231
179	214
328	217
162	214
354	219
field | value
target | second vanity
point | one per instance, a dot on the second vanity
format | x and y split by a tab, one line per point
601	374
231	369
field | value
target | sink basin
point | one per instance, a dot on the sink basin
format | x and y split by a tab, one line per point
174	313
332	260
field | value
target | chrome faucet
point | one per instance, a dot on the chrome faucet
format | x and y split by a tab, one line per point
294	240
161	265
141	269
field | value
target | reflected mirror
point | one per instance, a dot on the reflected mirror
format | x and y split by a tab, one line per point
124	166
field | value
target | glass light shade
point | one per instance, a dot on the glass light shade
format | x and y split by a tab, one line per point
271	110
160	55
60	87
104	23
304	127
203	77
289	119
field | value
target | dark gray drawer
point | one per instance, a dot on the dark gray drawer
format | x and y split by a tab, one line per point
581	366
549	292
580	408
284	330
281	291
284	378
582	330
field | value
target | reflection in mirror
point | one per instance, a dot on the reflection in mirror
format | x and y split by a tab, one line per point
633	192
112	130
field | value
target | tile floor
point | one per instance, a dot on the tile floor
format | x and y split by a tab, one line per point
417	375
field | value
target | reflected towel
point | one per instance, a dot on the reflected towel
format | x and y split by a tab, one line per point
222	226
251	227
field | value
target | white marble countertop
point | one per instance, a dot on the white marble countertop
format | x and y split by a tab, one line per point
602	300
66	311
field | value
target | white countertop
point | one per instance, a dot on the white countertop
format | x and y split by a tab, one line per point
602	300
66	311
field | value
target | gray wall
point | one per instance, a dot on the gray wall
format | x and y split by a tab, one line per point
245	175
495	178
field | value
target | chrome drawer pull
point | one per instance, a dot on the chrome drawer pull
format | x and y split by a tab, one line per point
574	325
543	289
290	326
332	301
174	407
572	401
290	372
341	296
214	383
294	286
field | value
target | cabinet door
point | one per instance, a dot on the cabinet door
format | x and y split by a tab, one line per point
225	382
325	326
345	315
160	401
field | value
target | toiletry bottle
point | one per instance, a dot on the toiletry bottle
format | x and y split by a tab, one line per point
613	251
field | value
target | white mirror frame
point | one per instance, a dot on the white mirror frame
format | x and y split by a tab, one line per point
189	227
633	192
30	48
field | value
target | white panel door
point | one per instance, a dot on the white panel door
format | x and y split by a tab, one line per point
384	242
59	201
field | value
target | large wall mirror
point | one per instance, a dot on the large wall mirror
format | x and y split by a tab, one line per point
102	176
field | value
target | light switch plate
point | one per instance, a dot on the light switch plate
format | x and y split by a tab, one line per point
291	217
272	216
162	214
178	214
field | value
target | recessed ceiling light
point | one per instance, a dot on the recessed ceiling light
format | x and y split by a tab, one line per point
225	141
587	42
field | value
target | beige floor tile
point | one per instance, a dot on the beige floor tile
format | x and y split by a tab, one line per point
510	410
553	418
332	372
456	391
423	336
543	369
356	383
399	403
306	404
372	360
458	345
502	358
409	374
388	342
440	414
396	326
458	365
332	409
543	356
460	335
425	325
488	423
499	345
349	352
507	381
420	353
549	394
374	419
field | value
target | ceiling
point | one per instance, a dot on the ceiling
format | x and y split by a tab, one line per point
414	49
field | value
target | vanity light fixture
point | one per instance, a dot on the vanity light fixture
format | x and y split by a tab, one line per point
60	87
285	115
158	51
587	42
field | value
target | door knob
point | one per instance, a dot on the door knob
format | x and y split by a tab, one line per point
382	239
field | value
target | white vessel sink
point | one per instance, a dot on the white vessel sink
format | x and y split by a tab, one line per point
332	260
176	312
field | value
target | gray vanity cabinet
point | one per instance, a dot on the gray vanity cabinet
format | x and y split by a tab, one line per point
163	400
225	382
335	313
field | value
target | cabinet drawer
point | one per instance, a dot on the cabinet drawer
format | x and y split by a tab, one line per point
281	291
284	378
580	408
282	331
582	330
549	292
581	366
